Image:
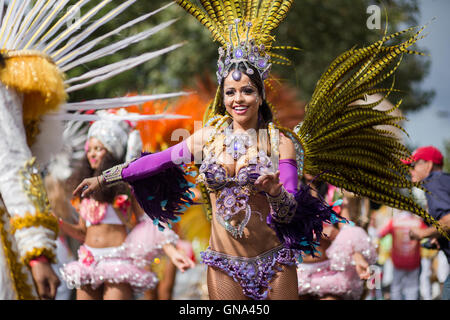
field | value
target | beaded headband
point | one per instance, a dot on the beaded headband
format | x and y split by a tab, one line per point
246	52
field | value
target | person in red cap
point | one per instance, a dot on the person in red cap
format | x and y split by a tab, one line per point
425	160
426	165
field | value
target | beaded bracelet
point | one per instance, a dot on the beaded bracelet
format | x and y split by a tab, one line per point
114	174
283	206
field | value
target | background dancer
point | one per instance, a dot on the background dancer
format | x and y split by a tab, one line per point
345	255
111	262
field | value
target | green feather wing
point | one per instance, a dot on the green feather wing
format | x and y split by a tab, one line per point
340	134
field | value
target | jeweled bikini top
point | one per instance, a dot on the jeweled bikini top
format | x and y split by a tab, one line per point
233	192
244	150
215	175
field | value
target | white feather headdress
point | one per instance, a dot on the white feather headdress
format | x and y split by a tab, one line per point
60	31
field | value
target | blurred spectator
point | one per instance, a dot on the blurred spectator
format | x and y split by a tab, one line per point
405	255
426	165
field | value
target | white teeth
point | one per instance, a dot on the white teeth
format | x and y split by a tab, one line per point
240	108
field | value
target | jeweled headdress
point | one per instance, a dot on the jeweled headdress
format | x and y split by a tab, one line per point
243	30
246	52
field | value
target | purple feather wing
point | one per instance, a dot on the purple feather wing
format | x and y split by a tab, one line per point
163	196
305	229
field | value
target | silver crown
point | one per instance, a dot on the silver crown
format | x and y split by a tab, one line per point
246	52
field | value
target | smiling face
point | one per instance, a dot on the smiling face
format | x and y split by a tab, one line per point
242	100
96	151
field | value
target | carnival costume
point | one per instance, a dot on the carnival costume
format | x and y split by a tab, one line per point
337	275
123	264
40	41
253	234
144	242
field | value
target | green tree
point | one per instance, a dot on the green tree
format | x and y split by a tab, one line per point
322	29
447	155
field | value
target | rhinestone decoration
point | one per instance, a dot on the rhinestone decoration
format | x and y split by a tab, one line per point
246	52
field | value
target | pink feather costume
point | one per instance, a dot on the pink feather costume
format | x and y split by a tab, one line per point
337	276
125	263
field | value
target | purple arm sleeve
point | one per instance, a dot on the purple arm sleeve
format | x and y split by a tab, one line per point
159	185
154	163
289	175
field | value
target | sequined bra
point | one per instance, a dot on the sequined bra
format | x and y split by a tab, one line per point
94	212
233	192
215	175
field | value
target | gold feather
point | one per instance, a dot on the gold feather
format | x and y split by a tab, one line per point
230	14
253	6
220	12
203	19
210	10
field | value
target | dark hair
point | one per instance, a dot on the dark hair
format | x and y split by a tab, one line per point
255	78
83	170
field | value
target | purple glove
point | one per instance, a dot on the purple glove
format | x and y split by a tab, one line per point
154	163
289	175
159	185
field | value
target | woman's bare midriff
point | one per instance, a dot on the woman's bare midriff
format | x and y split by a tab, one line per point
105	235
258	236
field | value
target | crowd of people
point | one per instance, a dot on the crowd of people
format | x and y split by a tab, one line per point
291	210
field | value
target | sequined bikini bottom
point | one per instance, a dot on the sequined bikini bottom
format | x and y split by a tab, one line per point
253	274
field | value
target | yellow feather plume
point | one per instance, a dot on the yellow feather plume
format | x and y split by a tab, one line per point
40	82
38	79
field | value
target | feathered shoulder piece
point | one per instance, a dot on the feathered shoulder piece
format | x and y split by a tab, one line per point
34	74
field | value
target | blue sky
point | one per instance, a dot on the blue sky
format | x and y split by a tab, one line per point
431	125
